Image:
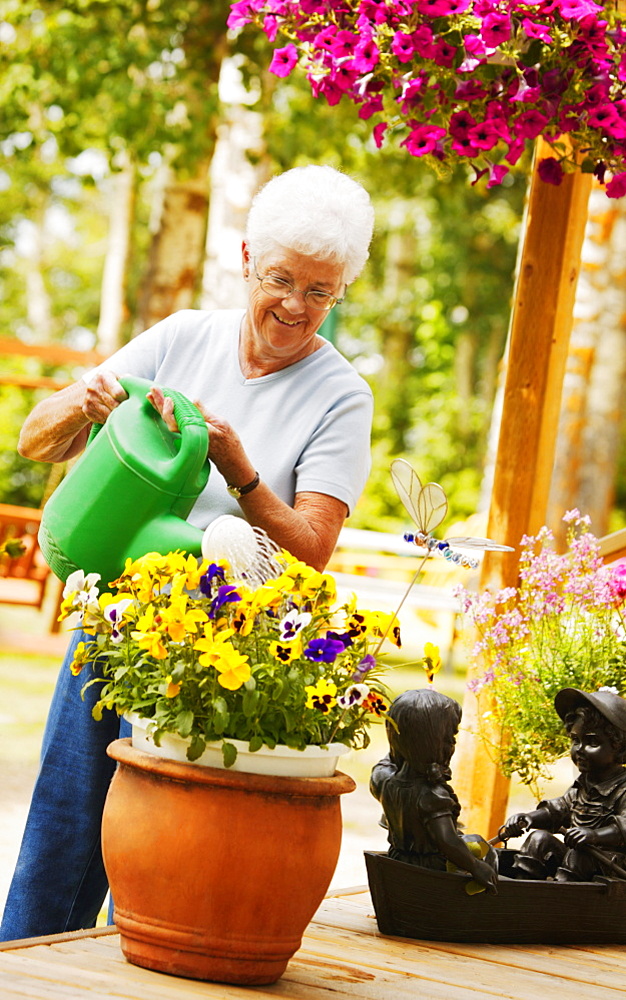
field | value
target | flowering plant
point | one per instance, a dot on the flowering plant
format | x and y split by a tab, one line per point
468	79
563	626
210	659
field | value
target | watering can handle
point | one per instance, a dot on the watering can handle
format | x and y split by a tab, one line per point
185	412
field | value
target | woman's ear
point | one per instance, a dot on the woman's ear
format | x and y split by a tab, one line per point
246	260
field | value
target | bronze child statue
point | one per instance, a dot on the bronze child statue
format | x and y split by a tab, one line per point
411	783
592	813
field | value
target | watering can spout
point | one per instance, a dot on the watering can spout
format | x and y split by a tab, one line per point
131	491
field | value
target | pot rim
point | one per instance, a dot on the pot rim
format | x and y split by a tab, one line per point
123	751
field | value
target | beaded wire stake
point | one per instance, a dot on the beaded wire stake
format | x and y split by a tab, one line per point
427	506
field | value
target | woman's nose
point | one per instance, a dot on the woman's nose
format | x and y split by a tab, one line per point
294	302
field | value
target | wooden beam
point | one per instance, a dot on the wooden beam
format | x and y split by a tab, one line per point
538	345
54	354
34	382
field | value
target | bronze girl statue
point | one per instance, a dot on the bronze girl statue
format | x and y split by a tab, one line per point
411	783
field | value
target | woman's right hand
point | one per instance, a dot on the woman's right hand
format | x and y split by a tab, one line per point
103	394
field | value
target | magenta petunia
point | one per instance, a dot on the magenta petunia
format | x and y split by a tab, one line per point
344	43
530	124
616	188
366	55
371	107
402	46
378	133
496	175
423	139
496	29
284	60
550	170
485	135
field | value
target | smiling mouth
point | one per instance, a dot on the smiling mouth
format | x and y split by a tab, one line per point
286	322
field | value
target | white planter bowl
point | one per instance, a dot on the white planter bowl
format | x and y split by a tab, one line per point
313	762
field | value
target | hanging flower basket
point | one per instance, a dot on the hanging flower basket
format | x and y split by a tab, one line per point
466	80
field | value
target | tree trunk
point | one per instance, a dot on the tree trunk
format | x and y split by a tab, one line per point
177	248
591	417
235	178
113	309
39	306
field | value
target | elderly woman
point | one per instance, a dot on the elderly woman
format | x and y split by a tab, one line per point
288	422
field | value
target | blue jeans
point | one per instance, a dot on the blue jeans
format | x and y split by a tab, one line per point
59	882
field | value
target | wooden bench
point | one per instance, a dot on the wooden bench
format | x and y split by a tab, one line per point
23	578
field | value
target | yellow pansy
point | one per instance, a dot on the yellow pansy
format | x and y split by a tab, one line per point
233	668
321	696
432	660
285	651
211	644
172	688
178	621
80	659
152	642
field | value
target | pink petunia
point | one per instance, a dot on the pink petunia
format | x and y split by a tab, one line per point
284	60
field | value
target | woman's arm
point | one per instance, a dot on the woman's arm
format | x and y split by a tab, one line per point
308	530
58	427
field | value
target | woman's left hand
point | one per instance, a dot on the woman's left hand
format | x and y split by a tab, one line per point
225	448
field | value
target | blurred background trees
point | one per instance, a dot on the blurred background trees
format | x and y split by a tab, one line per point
133	135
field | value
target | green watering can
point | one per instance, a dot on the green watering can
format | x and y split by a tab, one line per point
131	491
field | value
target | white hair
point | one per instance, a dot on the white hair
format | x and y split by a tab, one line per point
315	210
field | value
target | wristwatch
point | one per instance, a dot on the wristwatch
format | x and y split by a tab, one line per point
241	491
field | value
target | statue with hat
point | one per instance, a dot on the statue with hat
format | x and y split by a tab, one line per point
591	815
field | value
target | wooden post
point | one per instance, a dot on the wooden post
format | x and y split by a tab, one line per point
538	343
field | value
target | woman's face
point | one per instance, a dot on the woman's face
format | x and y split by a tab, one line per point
284	330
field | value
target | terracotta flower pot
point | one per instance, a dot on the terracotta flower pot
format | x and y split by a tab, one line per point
216	874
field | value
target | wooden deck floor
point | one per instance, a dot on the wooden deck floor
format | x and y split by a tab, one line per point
342	956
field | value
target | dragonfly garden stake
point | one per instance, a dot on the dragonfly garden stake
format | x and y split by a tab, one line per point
427	506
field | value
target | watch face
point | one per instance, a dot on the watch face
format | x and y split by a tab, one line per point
234	491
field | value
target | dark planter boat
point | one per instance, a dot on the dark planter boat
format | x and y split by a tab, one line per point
415	902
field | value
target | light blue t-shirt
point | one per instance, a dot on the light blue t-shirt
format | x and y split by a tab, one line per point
305	428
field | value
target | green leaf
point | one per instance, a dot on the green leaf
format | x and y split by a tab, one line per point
229	754
196	748
255	744
249	703
184	722
533	53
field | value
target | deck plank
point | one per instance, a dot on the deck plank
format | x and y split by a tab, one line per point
343	957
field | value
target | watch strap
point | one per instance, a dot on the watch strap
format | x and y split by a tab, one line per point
242	491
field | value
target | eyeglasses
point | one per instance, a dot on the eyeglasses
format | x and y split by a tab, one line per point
280	288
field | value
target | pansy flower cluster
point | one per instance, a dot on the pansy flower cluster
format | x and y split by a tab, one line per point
208	658
563	626
474	80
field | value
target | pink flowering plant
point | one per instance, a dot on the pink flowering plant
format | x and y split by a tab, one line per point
470	80
209	658
563	626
